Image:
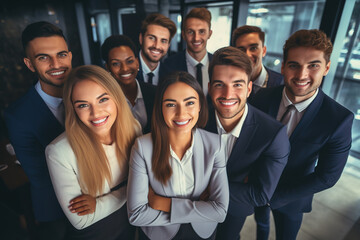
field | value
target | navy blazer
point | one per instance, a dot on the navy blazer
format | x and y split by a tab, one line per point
32	126
177	62
275	79
148	91
256	161
320	146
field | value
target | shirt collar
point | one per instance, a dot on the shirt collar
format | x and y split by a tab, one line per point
49	100
262	77
301	106
237	129
146	69
193	62
188	152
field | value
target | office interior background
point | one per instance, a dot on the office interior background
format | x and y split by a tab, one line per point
88	23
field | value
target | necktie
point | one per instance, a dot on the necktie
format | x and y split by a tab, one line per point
150	77
285	119
199	73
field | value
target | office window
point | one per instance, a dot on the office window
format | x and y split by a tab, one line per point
279	20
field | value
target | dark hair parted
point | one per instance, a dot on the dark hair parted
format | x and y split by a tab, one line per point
116	41
199	13
159	130
309	38
39	29
233	57
160	20
246	29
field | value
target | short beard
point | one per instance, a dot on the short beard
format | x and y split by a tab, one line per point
44	80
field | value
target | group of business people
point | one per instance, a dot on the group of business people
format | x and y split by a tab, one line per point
82	149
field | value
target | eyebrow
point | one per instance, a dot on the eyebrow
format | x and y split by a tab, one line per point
80	101
45	54
118	60
173	100
236	81
294	62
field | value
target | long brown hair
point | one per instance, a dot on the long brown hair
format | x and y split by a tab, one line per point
90	156
159	130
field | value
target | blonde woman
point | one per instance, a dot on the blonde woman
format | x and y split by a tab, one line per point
88	163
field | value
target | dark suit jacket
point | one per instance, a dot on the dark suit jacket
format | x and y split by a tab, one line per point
32	126
177	62
256	162
320	146
162	72
148	91
274	79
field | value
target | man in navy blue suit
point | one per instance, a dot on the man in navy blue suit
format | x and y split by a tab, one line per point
318	127
37	118
251	39
155	37
256	146
196	31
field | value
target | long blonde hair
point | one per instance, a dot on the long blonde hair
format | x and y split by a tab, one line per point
91	159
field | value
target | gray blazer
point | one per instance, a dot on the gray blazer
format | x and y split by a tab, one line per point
209	170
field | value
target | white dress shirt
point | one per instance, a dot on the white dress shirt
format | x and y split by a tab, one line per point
191	66
261	81
146	70
182	179
139	110
295	116
228	139
54	104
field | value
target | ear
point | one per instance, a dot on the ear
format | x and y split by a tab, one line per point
183	34
264	51
140	39
210	33
327	68
107	67
282	68
137	63
249	86
70	55
29	65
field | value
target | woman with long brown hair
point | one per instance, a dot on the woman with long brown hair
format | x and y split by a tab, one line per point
88	164
177	185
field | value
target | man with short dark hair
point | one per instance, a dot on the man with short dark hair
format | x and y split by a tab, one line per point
251	40
196	31
37	118
256	146
318	127
155	37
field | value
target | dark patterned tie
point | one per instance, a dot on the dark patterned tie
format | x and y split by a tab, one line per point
199	74
150	77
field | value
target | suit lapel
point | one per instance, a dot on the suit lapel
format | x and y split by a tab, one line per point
275	101
309	115
198	161
139	75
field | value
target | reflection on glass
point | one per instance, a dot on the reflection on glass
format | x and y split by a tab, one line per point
103	26
346	84
279	20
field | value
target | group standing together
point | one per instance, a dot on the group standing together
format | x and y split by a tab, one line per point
183	148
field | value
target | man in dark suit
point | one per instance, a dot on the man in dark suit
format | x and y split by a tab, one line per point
251	39
37	118
196	31
256	146
155	37
318	127
119	54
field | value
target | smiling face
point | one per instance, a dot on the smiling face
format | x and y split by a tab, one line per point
180	107
303	72
196	33
229	89
252	45
95	108
155	43
50	58
123	65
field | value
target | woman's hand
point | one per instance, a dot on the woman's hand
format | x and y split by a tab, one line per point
83	205
158	202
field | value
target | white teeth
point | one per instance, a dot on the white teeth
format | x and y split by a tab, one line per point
197	43
156	52
57	73
302	83
228	103
99	121
182	123
126	75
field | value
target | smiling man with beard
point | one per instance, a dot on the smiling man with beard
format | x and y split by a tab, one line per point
256	146
155	37
196	31
37	118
